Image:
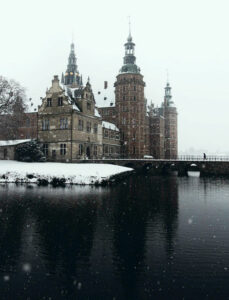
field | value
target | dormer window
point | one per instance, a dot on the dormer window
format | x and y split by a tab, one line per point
60	101
49	102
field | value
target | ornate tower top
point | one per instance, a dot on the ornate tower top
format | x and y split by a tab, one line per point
168	95
71	76
129	59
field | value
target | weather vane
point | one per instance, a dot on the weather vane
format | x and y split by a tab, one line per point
129	25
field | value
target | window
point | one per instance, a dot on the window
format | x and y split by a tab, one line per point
105	133
45	149
27	122
49	102
134	98
5	151
106	149
112	134
45	124
95	128
124	88
95	150
124	98
117	136
88	106
80	149
64	123
88	126
80	125
62	149
134	87
60	101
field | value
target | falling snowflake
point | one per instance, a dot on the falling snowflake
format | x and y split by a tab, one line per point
79	285
26	267
6	277
190	221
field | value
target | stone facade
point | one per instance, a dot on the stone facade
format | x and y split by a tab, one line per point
69	128
111	140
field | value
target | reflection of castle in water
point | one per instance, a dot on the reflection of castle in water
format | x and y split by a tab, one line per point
138	217
103	238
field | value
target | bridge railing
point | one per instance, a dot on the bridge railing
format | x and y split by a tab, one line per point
201	158
178	158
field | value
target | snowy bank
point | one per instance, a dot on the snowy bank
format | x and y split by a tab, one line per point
85	173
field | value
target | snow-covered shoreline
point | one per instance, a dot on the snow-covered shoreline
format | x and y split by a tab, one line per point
68	173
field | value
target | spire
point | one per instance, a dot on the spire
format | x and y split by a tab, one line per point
72	77
129	37
167	71
129	59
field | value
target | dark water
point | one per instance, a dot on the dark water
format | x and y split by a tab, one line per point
148	238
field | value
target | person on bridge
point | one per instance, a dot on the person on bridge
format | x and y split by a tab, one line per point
205	156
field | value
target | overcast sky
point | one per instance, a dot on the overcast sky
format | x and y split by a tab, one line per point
189	38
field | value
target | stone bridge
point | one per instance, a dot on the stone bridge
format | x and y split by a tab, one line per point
209	167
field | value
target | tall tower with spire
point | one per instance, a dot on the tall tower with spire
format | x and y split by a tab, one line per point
131	106
71	77
170	115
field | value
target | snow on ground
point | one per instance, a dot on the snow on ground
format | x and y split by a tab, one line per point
85	173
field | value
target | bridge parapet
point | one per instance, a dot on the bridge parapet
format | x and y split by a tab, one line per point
164	166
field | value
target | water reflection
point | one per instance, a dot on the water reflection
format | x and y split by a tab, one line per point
130	241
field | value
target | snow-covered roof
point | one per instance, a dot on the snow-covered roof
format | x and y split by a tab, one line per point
97	114
109	125
104	97
13	142
75	107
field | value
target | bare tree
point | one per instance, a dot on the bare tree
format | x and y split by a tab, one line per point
12	108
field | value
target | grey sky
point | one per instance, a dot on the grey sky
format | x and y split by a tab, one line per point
190	38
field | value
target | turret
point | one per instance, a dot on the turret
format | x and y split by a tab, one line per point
129	59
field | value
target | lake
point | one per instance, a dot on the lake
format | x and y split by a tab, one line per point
146	238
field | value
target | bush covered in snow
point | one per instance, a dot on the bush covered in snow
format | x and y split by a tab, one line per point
29	152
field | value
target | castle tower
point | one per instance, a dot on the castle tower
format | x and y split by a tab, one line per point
71	77
170	115
131	106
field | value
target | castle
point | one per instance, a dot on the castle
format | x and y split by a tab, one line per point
144	130
70	126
